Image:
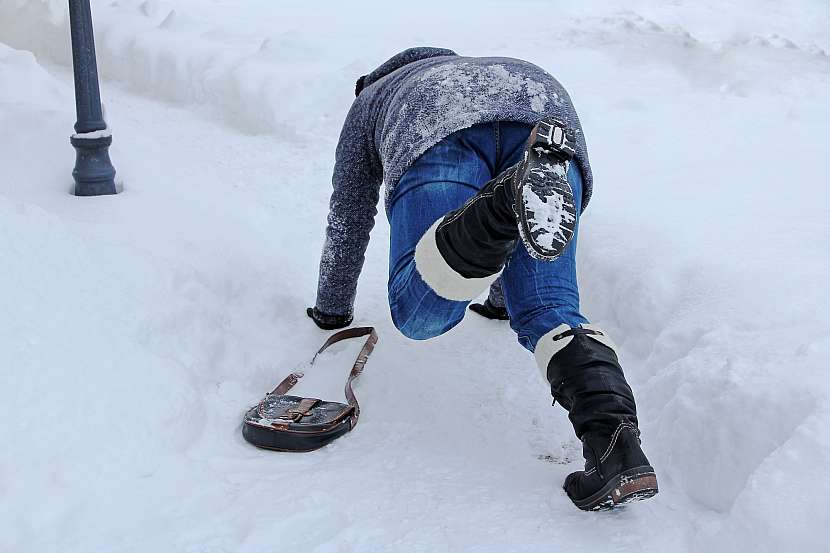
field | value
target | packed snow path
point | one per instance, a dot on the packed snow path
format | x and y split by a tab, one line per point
136	329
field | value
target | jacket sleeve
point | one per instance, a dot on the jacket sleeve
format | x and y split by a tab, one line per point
356	187
496	295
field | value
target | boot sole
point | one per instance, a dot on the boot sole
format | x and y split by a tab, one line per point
628	486
537	182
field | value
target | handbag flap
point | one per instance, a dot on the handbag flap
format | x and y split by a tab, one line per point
296	413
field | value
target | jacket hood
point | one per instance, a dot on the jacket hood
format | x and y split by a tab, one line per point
399	60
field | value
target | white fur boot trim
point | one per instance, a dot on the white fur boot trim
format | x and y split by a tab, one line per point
602	337
442	278
547	347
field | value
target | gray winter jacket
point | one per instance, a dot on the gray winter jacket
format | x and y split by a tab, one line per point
404	107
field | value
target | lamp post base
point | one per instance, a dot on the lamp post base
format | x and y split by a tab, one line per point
94	174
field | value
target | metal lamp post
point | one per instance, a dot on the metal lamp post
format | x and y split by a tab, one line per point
94	174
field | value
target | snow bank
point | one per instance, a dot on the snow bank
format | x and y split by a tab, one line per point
156	52
705	255
153	318
25	83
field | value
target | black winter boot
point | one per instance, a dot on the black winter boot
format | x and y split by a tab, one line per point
587	380
462	253
477	238
616	471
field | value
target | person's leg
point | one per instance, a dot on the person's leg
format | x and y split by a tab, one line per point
539	295
542	295
580	363
542	299
463	251
440	181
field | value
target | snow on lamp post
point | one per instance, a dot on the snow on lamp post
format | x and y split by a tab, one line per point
94	174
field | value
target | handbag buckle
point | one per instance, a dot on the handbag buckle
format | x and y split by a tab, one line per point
303	409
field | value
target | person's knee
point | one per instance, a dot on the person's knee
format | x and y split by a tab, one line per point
419	323
419	331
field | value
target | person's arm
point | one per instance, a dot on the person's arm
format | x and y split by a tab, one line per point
493	307
352	209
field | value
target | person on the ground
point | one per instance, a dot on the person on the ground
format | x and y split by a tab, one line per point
486	174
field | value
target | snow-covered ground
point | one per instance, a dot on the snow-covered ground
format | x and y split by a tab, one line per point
136	329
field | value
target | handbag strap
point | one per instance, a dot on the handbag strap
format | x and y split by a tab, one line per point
372	337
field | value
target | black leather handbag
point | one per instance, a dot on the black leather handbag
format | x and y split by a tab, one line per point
282	422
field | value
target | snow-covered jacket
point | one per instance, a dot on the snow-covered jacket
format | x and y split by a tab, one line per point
404	107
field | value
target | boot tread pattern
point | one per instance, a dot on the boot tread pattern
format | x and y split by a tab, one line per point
632	485
545	205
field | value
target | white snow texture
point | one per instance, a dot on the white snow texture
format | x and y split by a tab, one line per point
136	329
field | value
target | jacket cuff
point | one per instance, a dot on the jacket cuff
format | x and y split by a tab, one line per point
329	321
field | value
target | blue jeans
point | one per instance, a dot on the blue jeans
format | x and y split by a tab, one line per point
539	295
